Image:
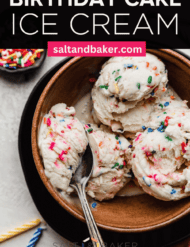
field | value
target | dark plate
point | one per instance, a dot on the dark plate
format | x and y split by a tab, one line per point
57	217
38	63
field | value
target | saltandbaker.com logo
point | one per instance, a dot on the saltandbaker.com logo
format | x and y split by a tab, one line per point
88	243
97	48
126	244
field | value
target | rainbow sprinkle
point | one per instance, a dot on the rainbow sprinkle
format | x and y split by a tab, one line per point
128	65
19	58
138	85
116	164
150	130
119	77
173	191
48	122
90	130
168	138
116	88
166	104
94	204
103	86
149	79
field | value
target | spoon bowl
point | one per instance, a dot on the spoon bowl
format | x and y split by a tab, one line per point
78	182
84	170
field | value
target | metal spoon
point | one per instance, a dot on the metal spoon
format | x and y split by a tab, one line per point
78	182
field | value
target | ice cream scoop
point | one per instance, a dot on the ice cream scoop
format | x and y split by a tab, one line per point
125	83
161	154
111	167
61	141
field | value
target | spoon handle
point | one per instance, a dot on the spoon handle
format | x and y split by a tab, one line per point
94	232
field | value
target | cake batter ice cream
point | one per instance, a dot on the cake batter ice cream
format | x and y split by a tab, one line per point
62	141
111	162
162	153
123	84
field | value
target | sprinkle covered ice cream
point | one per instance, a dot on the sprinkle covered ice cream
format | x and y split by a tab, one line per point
62	140
142	129
125	83
111	166
162	153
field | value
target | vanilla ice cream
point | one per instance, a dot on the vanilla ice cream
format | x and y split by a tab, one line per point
62	140
111	162
162	153
125	83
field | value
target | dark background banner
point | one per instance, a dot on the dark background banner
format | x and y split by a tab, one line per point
166	39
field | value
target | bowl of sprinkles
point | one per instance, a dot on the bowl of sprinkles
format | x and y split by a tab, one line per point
160	138
19	60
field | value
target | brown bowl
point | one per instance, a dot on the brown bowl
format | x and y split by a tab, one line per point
122	214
